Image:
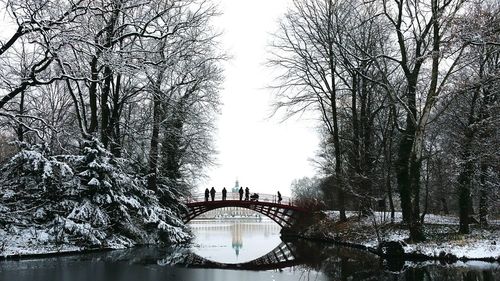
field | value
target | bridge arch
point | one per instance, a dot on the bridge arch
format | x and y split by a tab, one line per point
284	213
283	256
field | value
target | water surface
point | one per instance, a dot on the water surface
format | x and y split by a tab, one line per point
233	240
223	244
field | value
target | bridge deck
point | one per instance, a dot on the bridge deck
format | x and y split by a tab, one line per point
283	212
243	203
235	196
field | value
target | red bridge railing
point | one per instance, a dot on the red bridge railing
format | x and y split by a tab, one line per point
235	196
285	213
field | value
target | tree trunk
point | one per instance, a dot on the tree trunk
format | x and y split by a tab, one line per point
416	231
467	172
108	76
465	176
427	178
93	96
362	187
408	166
105	113
338	163
355	127
389	193
402	167
388	162
153	152
464	182
488	98
366	147
20	126
114	122
483	196
445	206
171	154
336	138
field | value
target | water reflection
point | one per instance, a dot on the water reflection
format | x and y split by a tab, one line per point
283	256
234	240
434	272
243	242
324	261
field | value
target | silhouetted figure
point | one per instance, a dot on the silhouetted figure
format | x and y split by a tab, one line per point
224	193
241	193
279	198
254	197
207	193
247	193
212	193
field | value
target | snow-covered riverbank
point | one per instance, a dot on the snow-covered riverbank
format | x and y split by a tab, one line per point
443	240
21	242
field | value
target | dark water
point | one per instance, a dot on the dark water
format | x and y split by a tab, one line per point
235	246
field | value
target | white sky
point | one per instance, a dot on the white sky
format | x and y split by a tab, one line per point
262	153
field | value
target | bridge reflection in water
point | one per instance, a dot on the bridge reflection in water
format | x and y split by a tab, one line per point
280	257
299	259
239	243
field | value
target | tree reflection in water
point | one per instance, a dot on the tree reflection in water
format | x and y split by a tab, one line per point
344	263
340	263
320	262
331	261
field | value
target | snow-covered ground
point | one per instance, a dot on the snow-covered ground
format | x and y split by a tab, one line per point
469	248
398	217
32	241
441	232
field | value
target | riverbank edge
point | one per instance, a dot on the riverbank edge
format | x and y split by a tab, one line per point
412	256
62	253
315	232
57	253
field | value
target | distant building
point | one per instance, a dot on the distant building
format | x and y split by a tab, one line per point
236	187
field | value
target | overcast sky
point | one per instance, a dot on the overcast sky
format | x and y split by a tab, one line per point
262	153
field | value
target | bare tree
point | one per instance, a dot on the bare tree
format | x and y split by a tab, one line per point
423	38
305	49
186	77
472	112
326	49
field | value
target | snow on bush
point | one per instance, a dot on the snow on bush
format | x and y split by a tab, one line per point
90	200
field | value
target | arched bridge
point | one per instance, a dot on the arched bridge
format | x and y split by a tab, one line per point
282	256
283	212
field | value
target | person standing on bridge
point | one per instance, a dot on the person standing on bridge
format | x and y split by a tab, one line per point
207	193
279	198
247	193
241	193
212	193
224	194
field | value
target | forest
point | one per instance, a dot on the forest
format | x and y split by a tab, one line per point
107	113
407	98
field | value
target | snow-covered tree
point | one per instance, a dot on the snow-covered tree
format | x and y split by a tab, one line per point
92	199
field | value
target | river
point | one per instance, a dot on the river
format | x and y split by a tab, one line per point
238	250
